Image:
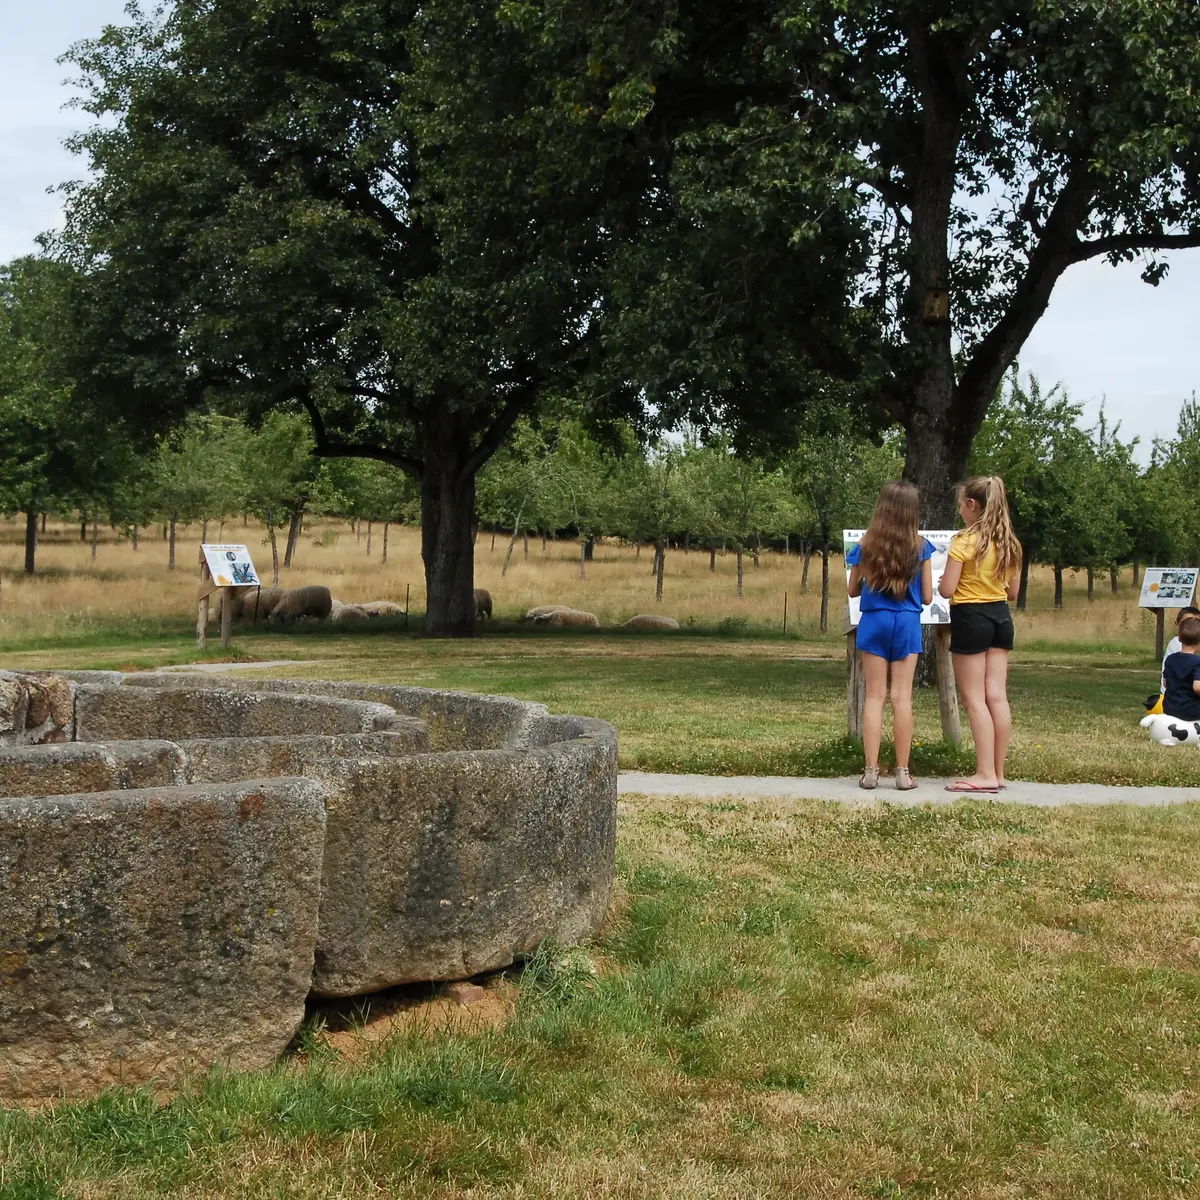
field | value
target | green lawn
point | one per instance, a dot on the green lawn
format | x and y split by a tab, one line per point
713	704
792	1001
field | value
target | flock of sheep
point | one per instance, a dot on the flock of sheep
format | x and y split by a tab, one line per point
284	606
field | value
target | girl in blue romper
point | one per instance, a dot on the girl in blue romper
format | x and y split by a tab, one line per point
891	572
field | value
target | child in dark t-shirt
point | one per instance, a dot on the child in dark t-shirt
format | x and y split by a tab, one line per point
1181	674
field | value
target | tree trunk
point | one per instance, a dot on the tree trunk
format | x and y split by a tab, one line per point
1058	585
383	556
274	550
171	544
493	549
43	522
543	543
369	526
1023	587
358	530
293	539
513	540
806	550
825	584
1137	571
82	528
1091	578
662	559
1114	578
583	558
527	543
740	570
204	531
757	546
95	536
447	517
134	538
712	557
31	538
590	549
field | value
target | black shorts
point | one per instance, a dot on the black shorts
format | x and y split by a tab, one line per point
977	628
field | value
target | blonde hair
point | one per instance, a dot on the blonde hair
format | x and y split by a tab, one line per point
994	527
891	547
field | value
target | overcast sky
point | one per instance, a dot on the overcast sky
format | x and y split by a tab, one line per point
1106	334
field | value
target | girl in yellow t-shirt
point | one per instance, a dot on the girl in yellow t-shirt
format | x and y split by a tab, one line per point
982	574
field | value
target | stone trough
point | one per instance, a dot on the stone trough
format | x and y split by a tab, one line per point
185	860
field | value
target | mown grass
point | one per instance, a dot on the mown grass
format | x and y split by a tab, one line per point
793	1001
709	704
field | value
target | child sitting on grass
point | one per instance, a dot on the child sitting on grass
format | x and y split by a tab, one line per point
1181	674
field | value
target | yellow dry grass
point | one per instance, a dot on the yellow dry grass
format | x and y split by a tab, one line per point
73	593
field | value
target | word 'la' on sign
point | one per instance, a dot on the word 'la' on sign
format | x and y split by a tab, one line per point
1168	587
230	566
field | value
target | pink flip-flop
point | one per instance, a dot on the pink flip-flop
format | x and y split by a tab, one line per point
966	787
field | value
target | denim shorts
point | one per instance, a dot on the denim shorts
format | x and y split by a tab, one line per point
890	634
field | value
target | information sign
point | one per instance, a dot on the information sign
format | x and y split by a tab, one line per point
230	566
937	613
1168	587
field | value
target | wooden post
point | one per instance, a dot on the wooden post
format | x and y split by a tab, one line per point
947	692
1159	626
856	687
406	587
785	614
226	616
202	613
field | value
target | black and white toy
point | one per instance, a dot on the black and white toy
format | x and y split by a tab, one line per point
1172	731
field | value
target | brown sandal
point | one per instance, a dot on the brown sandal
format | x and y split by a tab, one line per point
869	779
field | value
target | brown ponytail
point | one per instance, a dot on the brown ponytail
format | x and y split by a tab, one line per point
994	527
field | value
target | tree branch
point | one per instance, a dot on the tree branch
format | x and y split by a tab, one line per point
499	429
327	449
1123	243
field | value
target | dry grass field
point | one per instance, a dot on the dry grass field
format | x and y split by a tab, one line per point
74	595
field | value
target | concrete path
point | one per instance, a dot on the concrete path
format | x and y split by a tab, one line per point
929	791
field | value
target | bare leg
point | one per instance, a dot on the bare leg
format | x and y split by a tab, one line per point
875	669
970	673
996	695
902	707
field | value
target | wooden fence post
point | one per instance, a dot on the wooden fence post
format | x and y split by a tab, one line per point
947	692
856	687
226	616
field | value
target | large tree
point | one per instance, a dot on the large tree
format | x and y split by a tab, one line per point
417	220
999	143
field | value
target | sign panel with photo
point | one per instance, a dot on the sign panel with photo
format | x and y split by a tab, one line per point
230	566
937	613
1168	587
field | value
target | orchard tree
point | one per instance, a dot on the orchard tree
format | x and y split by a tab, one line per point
1000	143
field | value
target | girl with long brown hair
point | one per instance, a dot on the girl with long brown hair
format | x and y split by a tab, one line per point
983	569
891	572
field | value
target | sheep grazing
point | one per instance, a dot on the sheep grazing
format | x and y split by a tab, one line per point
349	612
483	603
650	623
544	610
244	603
381	608
313	601
569	618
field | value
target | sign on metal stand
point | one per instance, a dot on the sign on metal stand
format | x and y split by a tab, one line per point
226	569
936	614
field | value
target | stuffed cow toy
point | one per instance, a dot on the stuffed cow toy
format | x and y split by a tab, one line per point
1172	731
